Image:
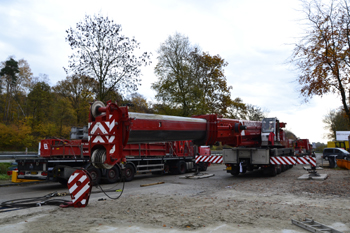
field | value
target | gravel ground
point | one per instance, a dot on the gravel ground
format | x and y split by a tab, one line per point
248	203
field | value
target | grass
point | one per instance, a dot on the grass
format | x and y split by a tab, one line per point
3	171
5	177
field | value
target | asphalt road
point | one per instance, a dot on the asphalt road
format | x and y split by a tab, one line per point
38	190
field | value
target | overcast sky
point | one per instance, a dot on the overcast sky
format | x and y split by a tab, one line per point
255	37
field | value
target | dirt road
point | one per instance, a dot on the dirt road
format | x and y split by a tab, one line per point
222	203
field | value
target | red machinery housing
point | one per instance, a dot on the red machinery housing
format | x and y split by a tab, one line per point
112	127
303	147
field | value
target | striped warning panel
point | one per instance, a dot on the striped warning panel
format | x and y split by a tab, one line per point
209	158
287	160
292	160
79	186
307	160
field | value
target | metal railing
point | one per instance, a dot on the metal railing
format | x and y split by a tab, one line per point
17	155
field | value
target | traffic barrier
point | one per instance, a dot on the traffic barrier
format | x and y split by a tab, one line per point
209	158
292	160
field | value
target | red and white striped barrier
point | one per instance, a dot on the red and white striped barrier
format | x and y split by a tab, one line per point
209	158
292	160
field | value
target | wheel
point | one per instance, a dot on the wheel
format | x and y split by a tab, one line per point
235	171
95	174
283	168
181	167
203	166
112	175
272	170
279	169
129	172
331	161
62	181
166	168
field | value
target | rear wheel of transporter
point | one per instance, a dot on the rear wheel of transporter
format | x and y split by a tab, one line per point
129	172
112	175
95	174
272	170
279	169
235	171
283	168
181	167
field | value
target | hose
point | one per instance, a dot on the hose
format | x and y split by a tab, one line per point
23	203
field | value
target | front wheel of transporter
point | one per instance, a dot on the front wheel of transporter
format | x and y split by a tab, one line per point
129	172
95	174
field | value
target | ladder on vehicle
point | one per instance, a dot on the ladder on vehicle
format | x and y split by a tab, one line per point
313	226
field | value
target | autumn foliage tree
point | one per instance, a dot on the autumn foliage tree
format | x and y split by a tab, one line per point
190	82
103	53
79	90
336	120
323	56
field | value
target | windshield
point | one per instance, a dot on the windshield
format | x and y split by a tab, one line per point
344	151
268	125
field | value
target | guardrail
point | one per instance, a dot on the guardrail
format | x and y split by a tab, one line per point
17	155
216	152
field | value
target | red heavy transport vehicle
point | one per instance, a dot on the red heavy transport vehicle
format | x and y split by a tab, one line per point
303	147
254	145
59	158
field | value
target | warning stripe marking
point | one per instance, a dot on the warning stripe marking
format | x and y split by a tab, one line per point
292	160
209	158
78	191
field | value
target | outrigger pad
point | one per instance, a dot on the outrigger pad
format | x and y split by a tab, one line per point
79	186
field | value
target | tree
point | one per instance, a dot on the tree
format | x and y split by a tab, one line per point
323	55
138	103
106	55
9	75
290	135
174	80
39	104
211	89
190	82
336	120
253	113
79	90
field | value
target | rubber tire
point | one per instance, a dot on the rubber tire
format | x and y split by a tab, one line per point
279	169
235	171
272	170
62	181
203	166
283	168
331	162
181	167
129	172
112	175
95	174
